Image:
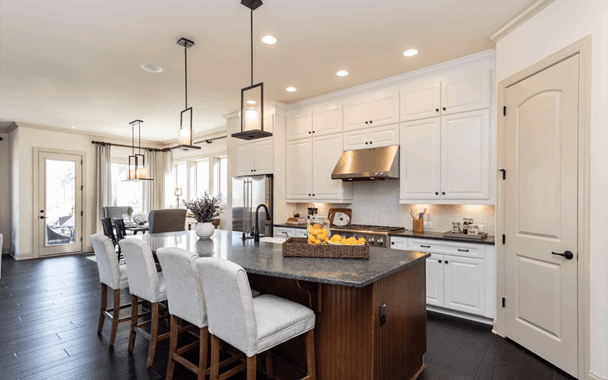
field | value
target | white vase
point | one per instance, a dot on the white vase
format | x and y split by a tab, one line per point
204	230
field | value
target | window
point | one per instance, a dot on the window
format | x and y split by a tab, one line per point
220	185
126	193
181	178
202	177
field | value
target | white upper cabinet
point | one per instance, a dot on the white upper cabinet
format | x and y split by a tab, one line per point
299	170
356	114
269	121
420	101
465	93
421	159
255	157
299	126
327	120
326	153
384	108
372	137
465	156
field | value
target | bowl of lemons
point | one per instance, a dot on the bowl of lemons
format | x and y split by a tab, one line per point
318	234
339	240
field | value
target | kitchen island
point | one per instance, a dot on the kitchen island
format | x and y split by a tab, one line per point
371	314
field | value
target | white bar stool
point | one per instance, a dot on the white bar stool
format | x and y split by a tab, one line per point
251	325
147	284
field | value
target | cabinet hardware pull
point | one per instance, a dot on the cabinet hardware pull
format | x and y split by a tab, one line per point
443	193
444	110
313	131
366	143
366	122
392	243
463	250
446	261
371	121
313	195
436	193
425	246
436	109
371	142
309	195
439	261
309	132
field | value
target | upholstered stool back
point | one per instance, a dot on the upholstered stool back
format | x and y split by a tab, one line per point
144	281
107	262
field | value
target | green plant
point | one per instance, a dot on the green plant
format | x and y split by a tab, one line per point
204	208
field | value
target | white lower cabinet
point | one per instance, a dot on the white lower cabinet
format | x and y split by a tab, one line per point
464	284
256	157
301	232
290	232
434	280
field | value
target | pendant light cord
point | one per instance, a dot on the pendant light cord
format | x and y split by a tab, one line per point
252	47
186	72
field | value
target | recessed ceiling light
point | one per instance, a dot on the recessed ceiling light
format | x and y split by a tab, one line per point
251	102
342	73
73	127
410	52
269	40
291	89
151	68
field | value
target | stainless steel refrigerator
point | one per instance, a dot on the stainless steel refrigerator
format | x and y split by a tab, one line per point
247	194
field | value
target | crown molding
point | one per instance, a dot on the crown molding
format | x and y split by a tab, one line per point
523	16
488	55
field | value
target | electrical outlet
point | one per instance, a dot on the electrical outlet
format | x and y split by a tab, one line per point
428	225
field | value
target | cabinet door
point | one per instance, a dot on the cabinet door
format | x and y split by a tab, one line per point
420	160
356	140
245	159
383	136
264	156
301	232
420	101
269	121
327	120
465	284
384	108
299	170
434	280
299	126
465	93
465	156
325	155
356	114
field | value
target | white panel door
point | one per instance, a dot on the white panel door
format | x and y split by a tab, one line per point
384	108
245	159
326	153
465	156
264	156
299	126
541	214
383	136
356	114
327	120
434	280
420	160
466	93
299	170
356	140
465	284
420	101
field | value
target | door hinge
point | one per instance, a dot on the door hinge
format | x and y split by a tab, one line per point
504	302
504	239
81	213
82	188
504	111
504	173
80	239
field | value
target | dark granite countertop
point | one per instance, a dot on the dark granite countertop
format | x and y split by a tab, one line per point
267	259
490	240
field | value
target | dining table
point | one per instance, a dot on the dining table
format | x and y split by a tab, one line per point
135	228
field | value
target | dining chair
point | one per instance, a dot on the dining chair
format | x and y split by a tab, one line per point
121	231
146	284
252	325
116	212
167	220
108	231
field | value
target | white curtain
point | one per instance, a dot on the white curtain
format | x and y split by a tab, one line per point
103	177
159	168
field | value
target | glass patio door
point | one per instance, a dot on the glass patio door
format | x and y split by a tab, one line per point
60	203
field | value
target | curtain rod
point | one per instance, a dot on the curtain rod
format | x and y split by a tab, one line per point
129	146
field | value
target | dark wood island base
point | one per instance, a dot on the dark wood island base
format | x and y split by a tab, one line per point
352	338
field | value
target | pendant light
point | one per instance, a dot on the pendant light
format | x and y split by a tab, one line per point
185	136
137	170
252	97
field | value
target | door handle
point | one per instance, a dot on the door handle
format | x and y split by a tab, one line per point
43	217
568	255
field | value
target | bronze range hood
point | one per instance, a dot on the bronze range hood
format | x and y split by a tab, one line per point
370	164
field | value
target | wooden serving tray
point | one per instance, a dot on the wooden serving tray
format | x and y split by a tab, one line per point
299	247
452	235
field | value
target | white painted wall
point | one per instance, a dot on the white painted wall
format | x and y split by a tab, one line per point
5	184
559	25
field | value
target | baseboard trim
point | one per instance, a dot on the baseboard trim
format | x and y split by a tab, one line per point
592	376
459	314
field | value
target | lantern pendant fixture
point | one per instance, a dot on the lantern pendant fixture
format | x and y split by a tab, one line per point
252	97
137	170
185	136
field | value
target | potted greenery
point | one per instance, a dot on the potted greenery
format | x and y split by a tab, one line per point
204	209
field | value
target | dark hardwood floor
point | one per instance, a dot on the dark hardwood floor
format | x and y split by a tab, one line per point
49	312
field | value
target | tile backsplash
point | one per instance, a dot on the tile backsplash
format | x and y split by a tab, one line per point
378	203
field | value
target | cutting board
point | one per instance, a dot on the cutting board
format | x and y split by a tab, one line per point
340	216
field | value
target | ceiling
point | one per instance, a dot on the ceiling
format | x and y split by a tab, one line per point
77	64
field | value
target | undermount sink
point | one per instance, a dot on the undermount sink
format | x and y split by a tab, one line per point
274	240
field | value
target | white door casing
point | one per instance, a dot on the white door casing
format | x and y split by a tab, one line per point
541	213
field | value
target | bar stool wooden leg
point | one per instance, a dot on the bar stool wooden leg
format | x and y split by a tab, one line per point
269	370
215	357
134	317
310	355
116	316
104	305
153	334
251	367
172	347
203	350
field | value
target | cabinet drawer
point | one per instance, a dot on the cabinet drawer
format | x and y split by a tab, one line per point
447	248
398	243
282	231
300	232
